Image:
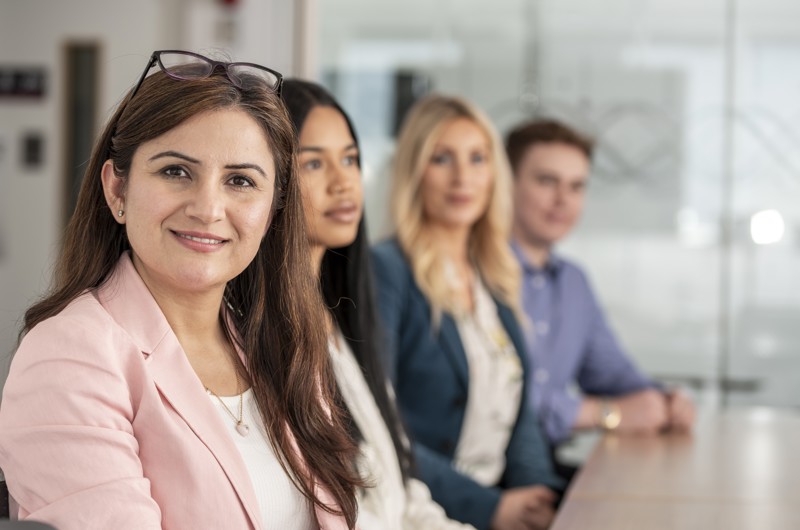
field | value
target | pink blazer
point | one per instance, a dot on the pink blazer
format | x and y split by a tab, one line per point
104	424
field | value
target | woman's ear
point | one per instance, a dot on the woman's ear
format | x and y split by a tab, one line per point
114	191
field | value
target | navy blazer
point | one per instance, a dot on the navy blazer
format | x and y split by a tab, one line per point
429	370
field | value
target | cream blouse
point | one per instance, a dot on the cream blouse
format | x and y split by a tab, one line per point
495	391
282	504
387	504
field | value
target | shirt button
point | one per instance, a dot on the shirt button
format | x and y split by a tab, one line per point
538	281
541	376
542	327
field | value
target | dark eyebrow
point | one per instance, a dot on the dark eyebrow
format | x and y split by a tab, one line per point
174	154
254	167
310	148
189	159
316	149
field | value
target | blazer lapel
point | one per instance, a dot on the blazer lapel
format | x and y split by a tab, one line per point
451	343
511	325
177	382
128	300
450	340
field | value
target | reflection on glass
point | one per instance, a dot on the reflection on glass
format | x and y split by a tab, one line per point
649	81
766	227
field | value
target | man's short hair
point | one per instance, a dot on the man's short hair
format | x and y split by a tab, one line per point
544	131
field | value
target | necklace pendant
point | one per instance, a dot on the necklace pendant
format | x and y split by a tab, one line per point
242	428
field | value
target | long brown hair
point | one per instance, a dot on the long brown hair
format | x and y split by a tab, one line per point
275	302
346	284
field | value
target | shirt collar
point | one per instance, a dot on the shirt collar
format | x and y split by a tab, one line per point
553	266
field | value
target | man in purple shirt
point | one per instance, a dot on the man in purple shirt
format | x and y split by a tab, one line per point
568	338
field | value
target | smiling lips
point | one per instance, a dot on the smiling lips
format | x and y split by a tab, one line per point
458	199
556	218
200	242
346	212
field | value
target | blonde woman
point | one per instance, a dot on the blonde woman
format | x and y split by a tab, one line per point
447	291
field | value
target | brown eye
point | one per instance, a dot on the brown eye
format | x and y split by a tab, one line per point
312	165
441	159
174	172
241	181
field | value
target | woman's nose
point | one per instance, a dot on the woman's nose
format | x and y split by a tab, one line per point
341	181
206	203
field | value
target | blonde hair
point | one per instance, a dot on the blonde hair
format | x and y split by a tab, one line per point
489	239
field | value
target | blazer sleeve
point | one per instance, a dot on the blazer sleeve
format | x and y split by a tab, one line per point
392	288
528	459
527	463
423	512
67	443
459	495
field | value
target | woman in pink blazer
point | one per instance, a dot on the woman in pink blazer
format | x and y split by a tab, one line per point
176	374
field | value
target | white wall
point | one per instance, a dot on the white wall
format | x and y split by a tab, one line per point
33	33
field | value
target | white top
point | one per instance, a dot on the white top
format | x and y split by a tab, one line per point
495	391
387	504
282	504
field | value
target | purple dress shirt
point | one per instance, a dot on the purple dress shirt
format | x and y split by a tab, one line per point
570	345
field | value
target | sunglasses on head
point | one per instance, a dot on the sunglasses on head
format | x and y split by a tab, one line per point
183	65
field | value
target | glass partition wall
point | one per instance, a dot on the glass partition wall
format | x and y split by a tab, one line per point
690	231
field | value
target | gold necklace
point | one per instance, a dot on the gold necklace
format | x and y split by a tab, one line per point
241	427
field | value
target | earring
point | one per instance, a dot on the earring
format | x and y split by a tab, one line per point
120	213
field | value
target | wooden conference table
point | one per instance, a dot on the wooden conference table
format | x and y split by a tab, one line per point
738	470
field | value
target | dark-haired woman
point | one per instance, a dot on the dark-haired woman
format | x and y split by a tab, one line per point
175	377
330	176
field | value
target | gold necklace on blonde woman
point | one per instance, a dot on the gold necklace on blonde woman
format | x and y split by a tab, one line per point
241	427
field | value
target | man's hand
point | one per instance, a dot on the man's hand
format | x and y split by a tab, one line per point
643	412
681	411
526	508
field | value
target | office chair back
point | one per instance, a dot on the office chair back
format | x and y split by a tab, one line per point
6	524
24	525
4	509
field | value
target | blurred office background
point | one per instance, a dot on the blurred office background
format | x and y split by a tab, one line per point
690	233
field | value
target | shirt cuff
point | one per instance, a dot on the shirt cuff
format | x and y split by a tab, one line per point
559	416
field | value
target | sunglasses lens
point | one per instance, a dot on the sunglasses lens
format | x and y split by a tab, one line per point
185	66
239	74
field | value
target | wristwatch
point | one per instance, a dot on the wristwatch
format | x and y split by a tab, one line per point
610	415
